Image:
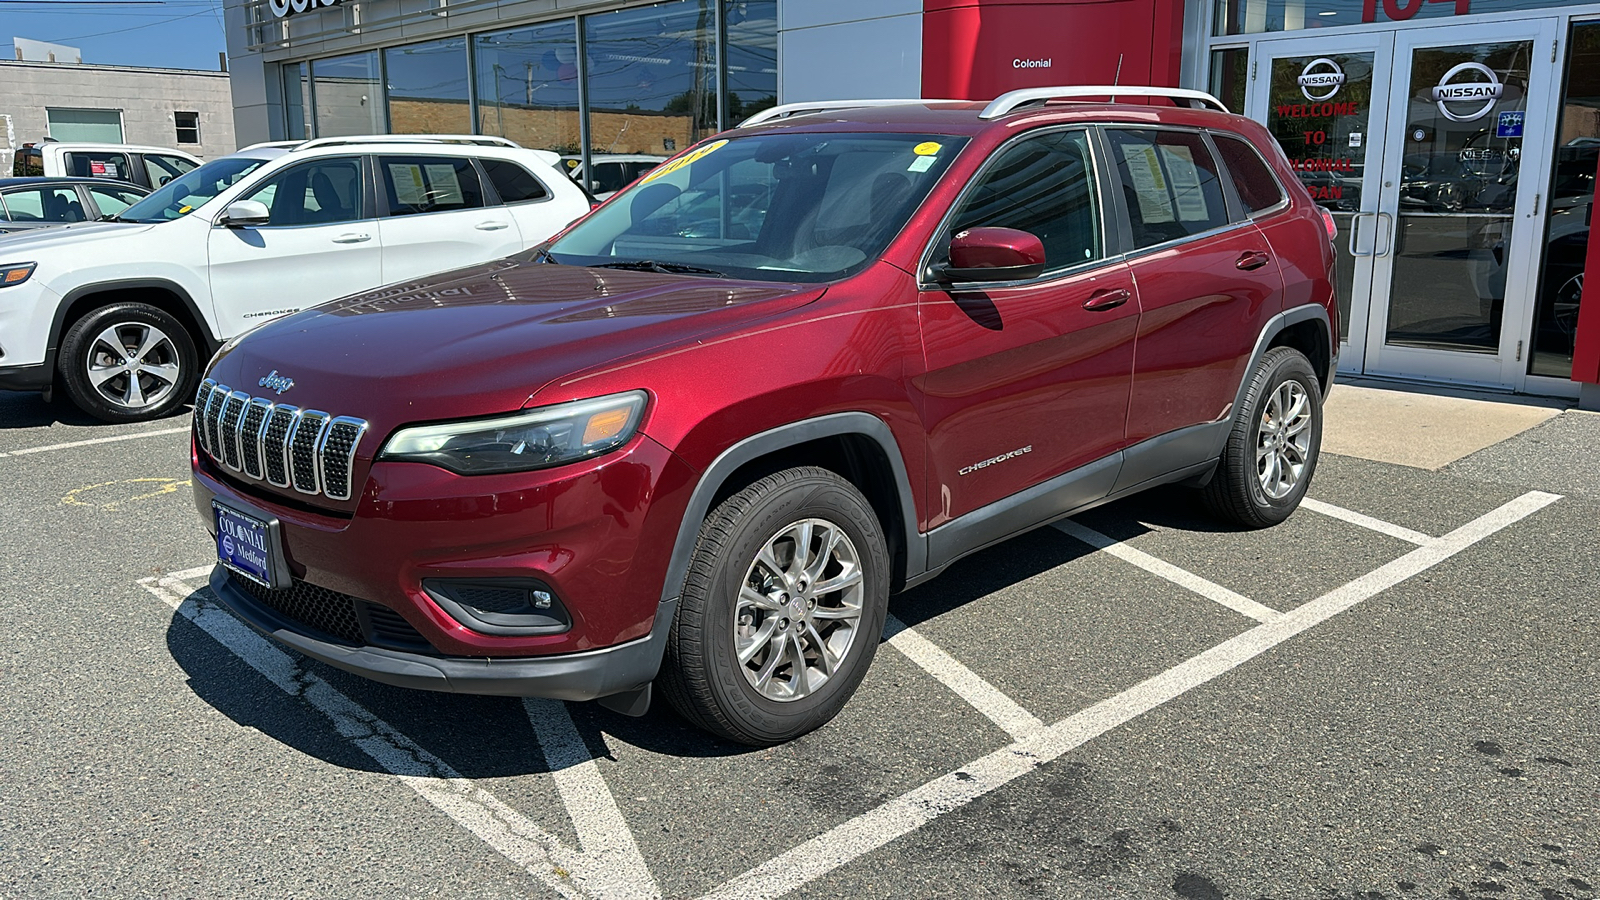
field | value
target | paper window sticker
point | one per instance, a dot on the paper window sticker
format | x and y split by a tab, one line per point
921	164
926	148
408	186
1190	200
1149	186
443	185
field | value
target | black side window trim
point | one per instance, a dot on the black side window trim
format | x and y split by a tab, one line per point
1230	183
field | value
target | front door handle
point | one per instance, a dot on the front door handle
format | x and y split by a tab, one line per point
1107	299
352	238
1252	259
490	226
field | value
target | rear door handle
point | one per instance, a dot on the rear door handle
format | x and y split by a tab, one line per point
1252	259
491	226
1107	299
352	238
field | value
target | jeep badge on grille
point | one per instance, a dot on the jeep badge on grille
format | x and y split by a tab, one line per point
278	383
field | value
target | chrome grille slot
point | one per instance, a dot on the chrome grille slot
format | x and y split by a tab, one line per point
304	441
274	442
310	451
255	416
232	410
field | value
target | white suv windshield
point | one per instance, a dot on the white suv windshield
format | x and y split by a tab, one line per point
180	197
771	207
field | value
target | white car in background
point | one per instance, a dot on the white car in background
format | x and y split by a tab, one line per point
149	167
123	314
609	172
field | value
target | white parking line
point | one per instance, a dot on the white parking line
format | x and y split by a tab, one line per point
1160	568
601	871
85	443
1366	521
967	684
867	832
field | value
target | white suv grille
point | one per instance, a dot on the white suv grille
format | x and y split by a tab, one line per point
282	445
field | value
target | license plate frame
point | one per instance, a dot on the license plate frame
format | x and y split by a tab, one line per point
250	544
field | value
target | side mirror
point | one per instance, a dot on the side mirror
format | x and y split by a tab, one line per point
245	213
993	254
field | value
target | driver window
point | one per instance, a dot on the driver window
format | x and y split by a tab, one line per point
1045	186
163	169
317	193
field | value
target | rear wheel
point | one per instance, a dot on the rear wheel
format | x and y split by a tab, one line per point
782	609
1274	444
128	362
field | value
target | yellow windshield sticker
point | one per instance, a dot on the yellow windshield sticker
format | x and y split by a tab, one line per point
926	148
686	159
185	210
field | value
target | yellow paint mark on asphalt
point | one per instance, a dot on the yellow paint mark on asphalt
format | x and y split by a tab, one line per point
77	496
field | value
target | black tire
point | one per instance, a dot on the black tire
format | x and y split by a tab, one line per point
702	676
83	346
1236	492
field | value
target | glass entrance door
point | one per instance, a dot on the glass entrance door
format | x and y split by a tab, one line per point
1424	145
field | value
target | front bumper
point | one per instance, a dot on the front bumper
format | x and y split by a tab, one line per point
573	676
25	378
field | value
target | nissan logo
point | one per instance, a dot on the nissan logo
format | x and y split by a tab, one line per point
1448	91
1311	79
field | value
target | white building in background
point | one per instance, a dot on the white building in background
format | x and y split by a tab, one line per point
184	109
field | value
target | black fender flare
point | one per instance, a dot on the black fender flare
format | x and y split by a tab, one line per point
58	323
1274	327
728	461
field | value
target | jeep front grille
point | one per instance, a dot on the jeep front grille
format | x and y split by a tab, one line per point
283	445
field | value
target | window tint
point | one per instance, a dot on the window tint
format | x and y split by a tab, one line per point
423	184
113	200
99	164
1170	183
514	183
58	204
1257	188
316	193
28	164
1044	186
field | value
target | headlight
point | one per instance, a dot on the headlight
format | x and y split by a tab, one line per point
15	274
536	439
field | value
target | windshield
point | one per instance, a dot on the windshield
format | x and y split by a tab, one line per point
771	207
183	195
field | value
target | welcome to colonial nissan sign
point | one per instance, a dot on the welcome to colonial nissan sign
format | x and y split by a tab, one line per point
282	8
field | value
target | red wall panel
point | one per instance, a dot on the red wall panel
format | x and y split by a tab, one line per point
976	49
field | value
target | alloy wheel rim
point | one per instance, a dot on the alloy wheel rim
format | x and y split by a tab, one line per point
133	365
1283	443
799	610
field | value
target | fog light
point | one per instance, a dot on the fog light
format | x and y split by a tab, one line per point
504	606
541	599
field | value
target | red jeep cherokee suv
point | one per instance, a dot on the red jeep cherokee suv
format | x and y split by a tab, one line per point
696	440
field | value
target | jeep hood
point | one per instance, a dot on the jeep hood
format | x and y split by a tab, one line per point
32	240
483	340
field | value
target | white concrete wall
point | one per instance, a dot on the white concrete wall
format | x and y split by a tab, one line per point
147	99
849	49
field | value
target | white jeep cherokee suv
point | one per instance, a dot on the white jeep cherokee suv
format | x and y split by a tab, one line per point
123	314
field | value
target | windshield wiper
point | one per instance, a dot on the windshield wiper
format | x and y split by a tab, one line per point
650	265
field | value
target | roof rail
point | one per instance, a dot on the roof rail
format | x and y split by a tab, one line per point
816	106
1007	102
481	140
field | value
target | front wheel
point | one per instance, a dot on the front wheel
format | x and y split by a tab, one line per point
128	362
1273	446
781	611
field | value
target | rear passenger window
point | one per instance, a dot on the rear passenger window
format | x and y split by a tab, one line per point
1044	186
512	182
424	184
1170	183
1254	181
99	164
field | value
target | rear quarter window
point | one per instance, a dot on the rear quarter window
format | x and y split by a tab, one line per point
1251	177
1170	184
512	182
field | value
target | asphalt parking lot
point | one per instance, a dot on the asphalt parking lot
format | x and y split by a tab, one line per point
1392	695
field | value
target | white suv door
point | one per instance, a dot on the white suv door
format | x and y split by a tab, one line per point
435	217
320	243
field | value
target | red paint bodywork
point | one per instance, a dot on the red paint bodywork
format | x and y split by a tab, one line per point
957	376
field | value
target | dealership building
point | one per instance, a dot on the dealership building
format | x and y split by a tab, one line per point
1455	141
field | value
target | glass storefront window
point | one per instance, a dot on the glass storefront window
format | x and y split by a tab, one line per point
428	87
1570	210
349	95
652	76
528	85
1230	70
751	53
296	122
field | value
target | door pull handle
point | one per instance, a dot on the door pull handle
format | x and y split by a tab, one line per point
490	226
1252	259
1107	299
352	238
